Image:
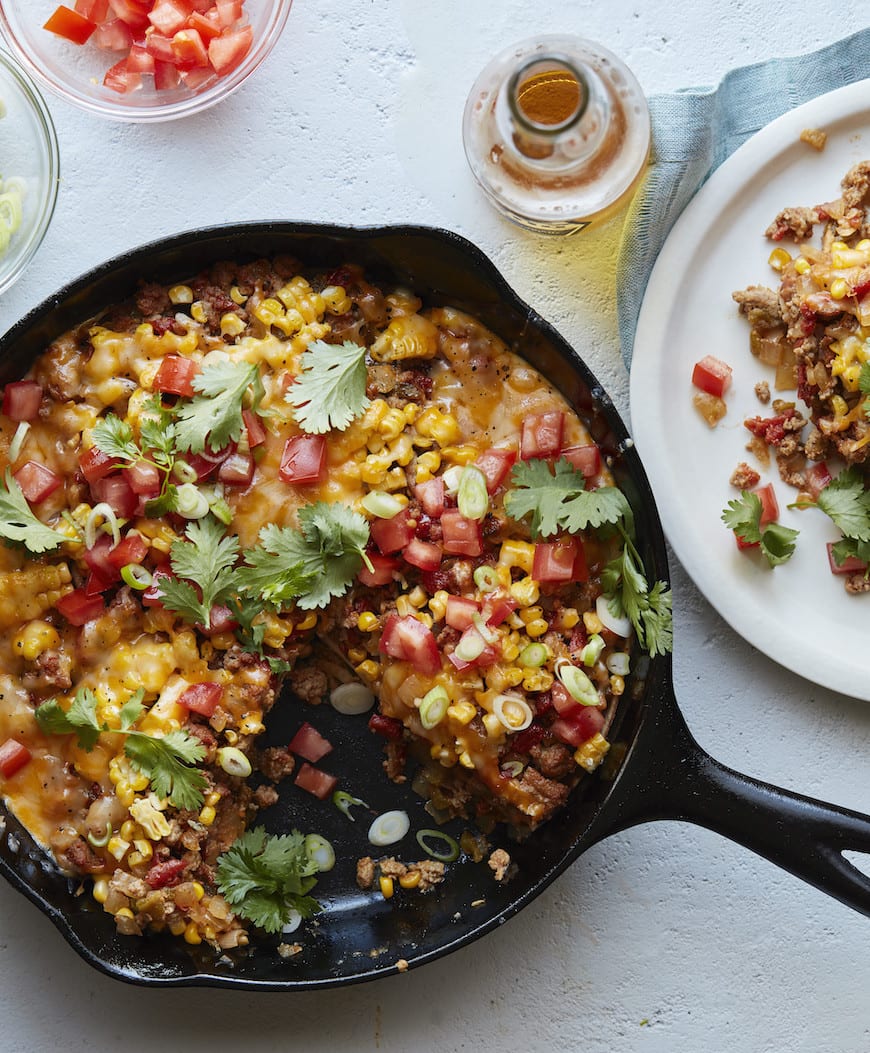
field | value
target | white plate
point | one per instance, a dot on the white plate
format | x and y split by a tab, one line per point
799	613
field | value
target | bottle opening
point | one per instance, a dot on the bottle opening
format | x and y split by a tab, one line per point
548	95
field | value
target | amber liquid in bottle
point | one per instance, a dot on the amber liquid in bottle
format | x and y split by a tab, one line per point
557	133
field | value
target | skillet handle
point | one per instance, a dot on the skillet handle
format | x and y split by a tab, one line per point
672	777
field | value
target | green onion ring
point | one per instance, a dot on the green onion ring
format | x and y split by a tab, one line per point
18	440
101	840
344	801
108	514
136	576
486	578
448	856
184	472
472	496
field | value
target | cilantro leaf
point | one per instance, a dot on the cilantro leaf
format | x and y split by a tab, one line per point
267	878
330	391
559	500
19	523
214	416
207	558
167	762
847	547
79	720
628	595
864	384
157	433
743	516
309	565
114	437
846	501
132	710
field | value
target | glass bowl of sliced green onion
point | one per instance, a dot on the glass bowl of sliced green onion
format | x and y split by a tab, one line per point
29	170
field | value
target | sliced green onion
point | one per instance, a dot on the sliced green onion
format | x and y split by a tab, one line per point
351	699
294	920
389	828
190	503
344	802
621	625
471	646
486	579
448	854
101	840
381	505
184	472
513	712
490	635
451	478
534	655
18	440
592	651
221	510
618	663
433	707
472	496
107	513
234	762
137	576
320	851
577	683
11	211
513	768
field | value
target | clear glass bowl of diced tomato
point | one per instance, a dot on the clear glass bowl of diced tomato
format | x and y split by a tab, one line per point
142	60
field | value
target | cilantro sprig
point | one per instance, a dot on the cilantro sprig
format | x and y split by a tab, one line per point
267	878
846	501
628	595
214	416
203	562
19	523
169	762
743	516
330	391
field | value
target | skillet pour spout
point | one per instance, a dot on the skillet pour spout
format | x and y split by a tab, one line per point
663	773
669	776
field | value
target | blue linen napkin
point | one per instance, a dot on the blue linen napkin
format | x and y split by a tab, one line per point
695	130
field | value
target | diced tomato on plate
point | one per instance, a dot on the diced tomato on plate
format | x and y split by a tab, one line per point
315	781
712	375
310	744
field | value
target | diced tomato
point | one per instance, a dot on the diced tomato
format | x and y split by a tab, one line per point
560	561
121	79
303	460
586	459
205	23
382	570
220	621
114	35
21	400
229	11
133	12
97	559
315	781
817	478
144	478
132	548
712	375
37	482
118	494
152	596
175	376
166	873
391	535
310	744
189	50
139	60
95	10
769	504
497	607
96	465
542	434
202	698
411	641
254	428
194	79
460	612
431	496
386	727
460	536
78	607
168	16
578	725
561	700
495	464
743	545
423	554
228	51
160	47
850	565
96	584
13	756
71	25
770	429
237	469
165	76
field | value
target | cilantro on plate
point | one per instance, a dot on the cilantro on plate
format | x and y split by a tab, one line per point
743	516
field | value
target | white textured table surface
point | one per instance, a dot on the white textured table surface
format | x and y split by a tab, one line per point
666	938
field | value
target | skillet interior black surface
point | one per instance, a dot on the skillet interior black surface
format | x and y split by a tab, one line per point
663	773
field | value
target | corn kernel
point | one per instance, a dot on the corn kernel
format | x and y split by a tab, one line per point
357	655
536	627
526	592
494	727
462	712
178	926
779	258
839	289
417	597
212	798
308	622
617	684
386	886
592	753
134	859
425	618
35	638
568	618
802	265
128	830
180	294
427	465
124	912
368	622
510	652
529	614
117	847
411	412
207	815
537	680
392	425
191	935
237	296
839	246
460	454
101	889
840	406
198	890
438	605
411	879
231	324
198	312
368	669
125	794
517	554
592	622
144	848
465	759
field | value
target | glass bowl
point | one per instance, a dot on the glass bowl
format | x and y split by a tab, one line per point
76	72
29	170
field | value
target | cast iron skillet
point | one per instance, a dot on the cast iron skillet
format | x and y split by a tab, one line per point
657	770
